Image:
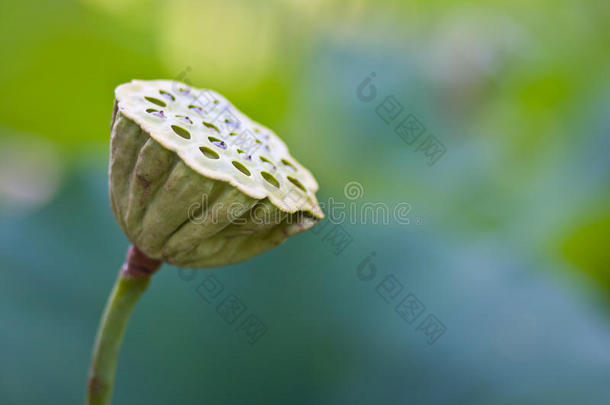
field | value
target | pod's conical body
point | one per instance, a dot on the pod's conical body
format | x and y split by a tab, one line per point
196	183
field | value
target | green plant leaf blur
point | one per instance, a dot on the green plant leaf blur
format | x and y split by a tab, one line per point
507	240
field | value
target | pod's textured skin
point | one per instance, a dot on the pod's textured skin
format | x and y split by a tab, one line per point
205	200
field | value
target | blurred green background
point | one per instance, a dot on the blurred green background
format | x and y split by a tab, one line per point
507	244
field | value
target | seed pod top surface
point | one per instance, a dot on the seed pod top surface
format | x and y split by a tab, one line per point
216	140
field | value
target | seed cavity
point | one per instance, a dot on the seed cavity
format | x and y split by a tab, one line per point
217	142
296	183
181	132
241	167
156	101
196	108
167	96
211	126
289	165
156	113
230	123
209	153
270	179
246	156
269	164
185	119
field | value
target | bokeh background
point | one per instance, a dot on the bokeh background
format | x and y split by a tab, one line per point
507	244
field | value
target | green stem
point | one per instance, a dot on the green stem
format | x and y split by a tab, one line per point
127	289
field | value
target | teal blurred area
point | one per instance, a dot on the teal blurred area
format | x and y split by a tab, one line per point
507	240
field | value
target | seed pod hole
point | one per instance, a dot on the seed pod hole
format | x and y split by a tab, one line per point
245	155
269	164
231	123
296	183
196	108
211	126
289	165
156	113
217	142
156	101
209	153
166	95
241	167
270	179
181	132
184	119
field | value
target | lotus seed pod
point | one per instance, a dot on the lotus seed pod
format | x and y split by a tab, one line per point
196	183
